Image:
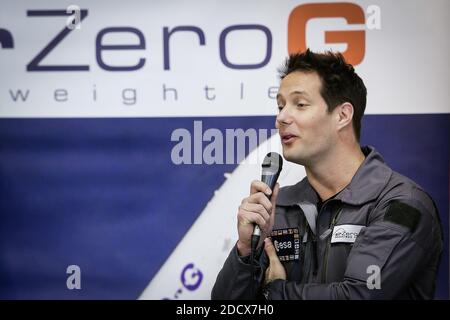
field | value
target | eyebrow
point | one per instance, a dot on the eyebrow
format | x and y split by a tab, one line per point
294	92
298	92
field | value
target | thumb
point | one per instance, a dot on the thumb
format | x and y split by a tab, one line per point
273	200
270	249
274	197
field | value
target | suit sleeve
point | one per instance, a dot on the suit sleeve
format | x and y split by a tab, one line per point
234	281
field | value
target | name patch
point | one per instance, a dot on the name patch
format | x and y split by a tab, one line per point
346	233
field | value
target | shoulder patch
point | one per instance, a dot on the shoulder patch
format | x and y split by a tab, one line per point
403	214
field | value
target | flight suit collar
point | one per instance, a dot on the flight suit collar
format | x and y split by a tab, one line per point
366	185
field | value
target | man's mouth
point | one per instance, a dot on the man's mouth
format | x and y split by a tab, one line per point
287	138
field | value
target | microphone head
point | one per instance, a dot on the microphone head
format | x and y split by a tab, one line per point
272	164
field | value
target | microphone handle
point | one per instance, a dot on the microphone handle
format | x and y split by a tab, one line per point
270	180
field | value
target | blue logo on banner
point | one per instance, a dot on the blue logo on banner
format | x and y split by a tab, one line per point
191	277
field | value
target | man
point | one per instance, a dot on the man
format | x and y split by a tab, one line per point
352	228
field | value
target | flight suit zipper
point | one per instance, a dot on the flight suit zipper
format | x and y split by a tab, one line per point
327	248
303	245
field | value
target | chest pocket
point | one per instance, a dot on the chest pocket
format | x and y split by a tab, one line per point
338	241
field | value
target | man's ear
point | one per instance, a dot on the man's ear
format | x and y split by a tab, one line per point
344	115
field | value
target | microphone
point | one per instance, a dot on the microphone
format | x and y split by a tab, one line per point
271	168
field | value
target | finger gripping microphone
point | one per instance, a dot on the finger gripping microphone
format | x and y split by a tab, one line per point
271	169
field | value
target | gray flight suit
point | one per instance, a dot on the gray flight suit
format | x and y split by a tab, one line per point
389	225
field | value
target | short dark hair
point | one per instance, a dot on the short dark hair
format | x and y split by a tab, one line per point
340	83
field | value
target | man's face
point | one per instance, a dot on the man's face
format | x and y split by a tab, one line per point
306	129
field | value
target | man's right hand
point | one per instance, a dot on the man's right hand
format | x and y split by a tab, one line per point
256	208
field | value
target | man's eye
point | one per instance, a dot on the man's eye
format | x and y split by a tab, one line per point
279	108
301	105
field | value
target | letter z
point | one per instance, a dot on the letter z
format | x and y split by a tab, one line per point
34	64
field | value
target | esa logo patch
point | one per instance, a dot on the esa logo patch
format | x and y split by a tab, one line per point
286	243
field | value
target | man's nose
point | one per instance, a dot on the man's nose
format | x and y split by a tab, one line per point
283	117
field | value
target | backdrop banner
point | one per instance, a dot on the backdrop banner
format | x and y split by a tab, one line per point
131	131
